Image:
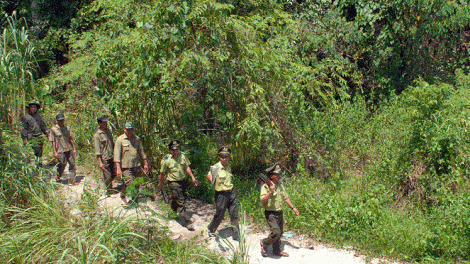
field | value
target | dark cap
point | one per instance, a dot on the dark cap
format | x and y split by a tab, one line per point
174	144
60	117
129	125
34	102
225	151
276	168
102	118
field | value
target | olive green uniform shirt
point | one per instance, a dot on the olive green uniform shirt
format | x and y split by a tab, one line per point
62	138
127	151
223	181
104	144
33	126
276	199
175	168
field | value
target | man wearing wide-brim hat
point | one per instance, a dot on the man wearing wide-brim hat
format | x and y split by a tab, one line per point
128	154
272	197
33	128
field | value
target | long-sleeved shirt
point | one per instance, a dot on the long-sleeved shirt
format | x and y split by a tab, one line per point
33	125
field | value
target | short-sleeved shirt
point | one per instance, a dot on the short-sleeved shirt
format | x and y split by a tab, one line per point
276	200
62	138
223	181
174	168
128	150
33	125
104	144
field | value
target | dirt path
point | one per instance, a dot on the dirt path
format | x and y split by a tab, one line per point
300	248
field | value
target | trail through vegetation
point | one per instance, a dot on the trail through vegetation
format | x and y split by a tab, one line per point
300	247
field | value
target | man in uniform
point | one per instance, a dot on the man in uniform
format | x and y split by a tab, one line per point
272	197
104	147
64	148
33	128
174	165
220	175
127	151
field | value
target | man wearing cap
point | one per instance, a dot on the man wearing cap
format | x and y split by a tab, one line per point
64	148
220	175
272	197
174	165
104	147
33	128
127	150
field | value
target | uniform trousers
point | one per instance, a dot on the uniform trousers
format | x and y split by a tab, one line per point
226	200
109	173
177	197
276	225
128	175
65	157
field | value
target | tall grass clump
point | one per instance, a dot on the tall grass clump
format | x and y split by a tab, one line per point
17	66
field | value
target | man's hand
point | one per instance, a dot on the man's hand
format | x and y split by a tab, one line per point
146	168
24	142
119	173
74	152
101	165
160	185
296	212
272	187
195	182
56	155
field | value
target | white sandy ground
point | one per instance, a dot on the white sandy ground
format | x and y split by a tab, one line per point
301	249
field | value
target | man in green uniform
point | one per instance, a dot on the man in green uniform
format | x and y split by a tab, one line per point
33	128
127	150
104	147
174	165
64	148
272	197
220	175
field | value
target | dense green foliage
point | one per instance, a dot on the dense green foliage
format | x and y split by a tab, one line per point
365	103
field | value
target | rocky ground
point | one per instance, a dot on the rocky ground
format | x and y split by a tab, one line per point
300	248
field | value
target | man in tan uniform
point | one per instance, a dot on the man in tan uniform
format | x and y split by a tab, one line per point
33	128
127	151
104	147
220	175
64	148
175	165
272	197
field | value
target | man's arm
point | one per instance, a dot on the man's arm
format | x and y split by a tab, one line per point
288	202
188	170
118	170
143	156
73	146
160	180
100	162
97	145
117	157
209	176
54	148
146	166
265	198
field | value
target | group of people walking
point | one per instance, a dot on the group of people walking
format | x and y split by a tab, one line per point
126	160
59	135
